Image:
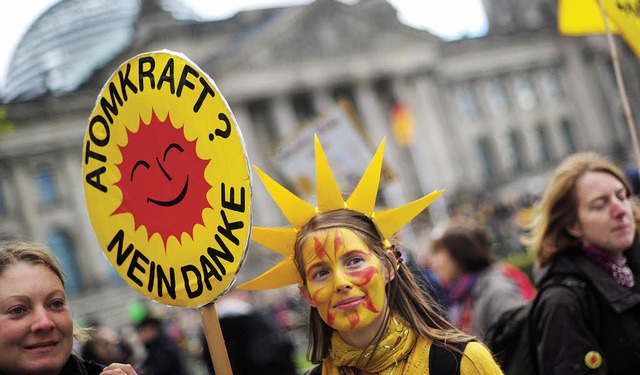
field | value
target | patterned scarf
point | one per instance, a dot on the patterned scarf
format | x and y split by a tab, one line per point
459	305
616	267
385	358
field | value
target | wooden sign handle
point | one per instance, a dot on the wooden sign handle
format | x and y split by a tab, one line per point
215	340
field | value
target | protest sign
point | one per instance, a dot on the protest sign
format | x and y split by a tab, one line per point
167	182
347	148
578	17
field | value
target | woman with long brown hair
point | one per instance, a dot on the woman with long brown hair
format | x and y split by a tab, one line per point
586	233
367	313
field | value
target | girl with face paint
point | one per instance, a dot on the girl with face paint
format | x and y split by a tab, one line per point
368	315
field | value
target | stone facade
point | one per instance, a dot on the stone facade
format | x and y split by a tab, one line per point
492	115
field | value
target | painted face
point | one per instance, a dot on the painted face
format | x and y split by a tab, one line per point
345	280
605	218
444	266
162	177
36	329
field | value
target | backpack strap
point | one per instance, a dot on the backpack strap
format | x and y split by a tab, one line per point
444	361
587	304
316	370
441	361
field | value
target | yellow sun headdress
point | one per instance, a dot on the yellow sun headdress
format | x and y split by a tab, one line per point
298	213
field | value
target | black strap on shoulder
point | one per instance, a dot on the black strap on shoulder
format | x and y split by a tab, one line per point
581	289
443	361
587	301
588	306
316	370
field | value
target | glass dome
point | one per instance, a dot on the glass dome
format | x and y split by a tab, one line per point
66	44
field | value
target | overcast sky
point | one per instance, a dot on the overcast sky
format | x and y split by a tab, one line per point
449	19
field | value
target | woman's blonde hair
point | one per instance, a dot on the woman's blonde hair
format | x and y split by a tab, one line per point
558	209
17	251
13	252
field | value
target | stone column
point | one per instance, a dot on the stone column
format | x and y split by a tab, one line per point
376	122
584	91
284	115
436	169
322	100
263	207
405	94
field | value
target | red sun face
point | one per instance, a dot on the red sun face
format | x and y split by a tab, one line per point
162	180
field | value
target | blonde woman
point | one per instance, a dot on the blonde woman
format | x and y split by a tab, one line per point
36	329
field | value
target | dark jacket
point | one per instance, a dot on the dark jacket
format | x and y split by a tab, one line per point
76	366
255	345
163	358
569	335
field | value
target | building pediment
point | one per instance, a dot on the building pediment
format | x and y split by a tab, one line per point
324	41
327	29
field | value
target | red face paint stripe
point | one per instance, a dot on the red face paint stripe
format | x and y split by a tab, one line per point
321	252
365	274
315	296
331	318
369	305
354	319
337	244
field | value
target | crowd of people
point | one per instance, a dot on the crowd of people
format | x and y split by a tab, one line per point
371	309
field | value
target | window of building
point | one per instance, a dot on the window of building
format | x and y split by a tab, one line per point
496	96
467	101
47	191
525	93
385	94
262	119
515	150
346	92
485	155
568	135
552	84
303	106
61	245
542	135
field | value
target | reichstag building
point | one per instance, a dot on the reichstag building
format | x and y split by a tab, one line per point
491	116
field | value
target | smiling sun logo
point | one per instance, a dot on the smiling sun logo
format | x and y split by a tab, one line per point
167	180
162	183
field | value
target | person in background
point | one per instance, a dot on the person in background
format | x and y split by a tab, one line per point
36	328
587	229
163	356
477	291
104	345
428	278
424	275
255	343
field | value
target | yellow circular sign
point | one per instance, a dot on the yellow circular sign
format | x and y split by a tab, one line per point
167	181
